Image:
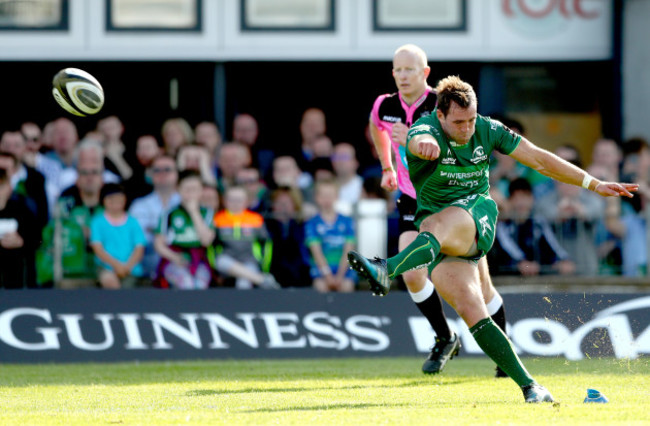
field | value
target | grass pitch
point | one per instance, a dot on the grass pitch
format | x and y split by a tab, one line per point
331	391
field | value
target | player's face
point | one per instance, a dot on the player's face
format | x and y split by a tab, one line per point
409	73
460	123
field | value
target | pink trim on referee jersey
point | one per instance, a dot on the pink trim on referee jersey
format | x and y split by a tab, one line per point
403	179
410	109
374	114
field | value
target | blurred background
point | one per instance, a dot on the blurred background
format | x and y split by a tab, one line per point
569	72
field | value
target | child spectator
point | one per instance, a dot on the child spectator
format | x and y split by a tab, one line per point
182	237
118	242
287	232
243	247
329	236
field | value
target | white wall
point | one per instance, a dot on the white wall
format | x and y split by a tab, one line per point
636	69
496	30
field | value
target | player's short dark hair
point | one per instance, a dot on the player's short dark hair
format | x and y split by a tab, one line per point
520	184
453	89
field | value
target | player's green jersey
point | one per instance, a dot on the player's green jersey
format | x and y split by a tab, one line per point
460	170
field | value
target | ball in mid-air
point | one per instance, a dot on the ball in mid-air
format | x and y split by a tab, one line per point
78	92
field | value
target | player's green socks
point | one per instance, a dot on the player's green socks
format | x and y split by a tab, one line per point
496	345
420	253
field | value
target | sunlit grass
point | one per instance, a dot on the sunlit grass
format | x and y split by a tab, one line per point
332	391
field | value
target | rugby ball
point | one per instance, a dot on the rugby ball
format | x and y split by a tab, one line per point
77	92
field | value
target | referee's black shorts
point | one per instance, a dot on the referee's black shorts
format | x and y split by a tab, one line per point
406	206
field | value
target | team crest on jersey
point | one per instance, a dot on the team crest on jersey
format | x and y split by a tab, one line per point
478	155
449	159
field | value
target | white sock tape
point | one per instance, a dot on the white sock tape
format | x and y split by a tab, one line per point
423	294
495	304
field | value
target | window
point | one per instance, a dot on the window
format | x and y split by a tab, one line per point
417	15
34	15
147	15
287	15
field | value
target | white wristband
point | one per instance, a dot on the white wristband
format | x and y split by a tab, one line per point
587	181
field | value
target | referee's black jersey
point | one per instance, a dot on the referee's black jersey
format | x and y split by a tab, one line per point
390	109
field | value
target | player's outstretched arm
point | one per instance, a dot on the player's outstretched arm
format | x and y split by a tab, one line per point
424	146
551	165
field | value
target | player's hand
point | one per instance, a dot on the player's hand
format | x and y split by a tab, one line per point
389	180
398	133
428	149
615	189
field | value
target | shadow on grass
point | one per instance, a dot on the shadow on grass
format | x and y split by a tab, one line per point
412	383
359	406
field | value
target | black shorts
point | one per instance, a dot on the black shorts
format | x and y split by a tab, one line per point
406	206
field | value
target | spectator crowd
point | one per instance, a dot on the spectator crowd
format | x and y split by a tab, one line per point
183	209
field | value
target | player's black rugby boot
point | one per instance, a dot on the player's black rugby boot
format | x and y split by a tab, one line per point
373	270
441	352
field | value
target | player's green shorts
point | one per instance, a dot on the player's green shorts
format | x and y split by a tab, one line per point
484	211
